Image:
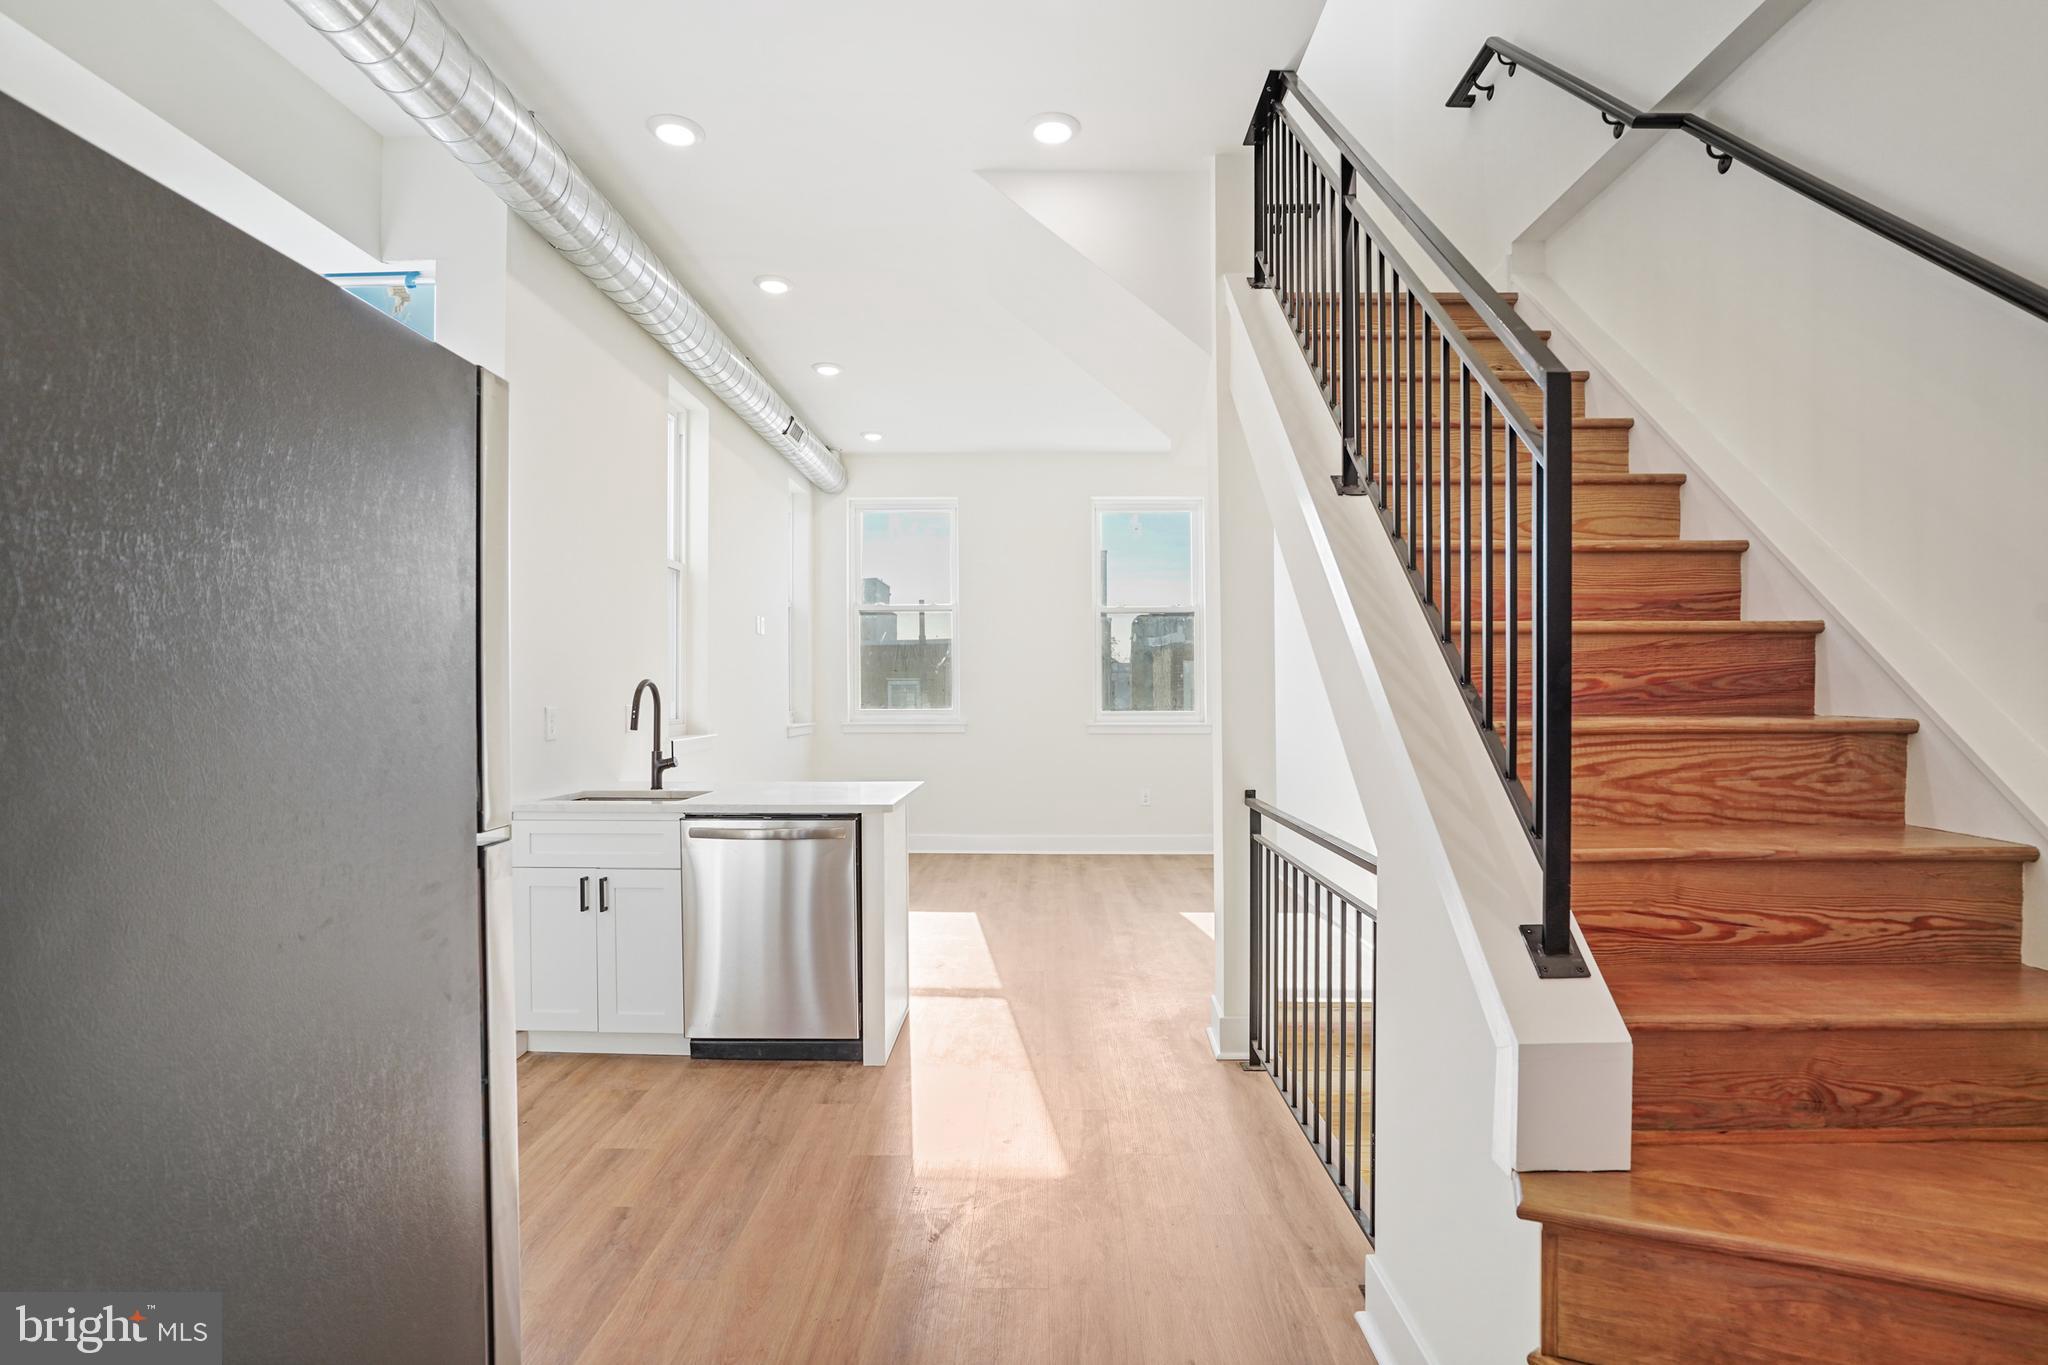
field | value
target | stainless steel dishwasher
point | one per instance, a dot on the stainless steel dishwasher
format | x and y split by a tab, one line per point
771	937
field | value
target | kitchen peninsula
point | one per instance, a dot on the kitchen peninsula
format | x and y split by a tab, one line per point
647	920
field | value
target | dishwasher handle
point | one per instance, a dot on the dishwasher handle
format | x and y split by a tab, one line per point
762	832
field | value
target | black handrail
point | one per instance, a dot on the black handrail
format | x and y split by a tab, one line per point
1392	404
1350	852
1728	148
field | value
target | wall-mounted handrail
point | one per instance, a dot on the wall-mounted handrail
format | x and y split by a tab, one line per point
1405	382
1727	148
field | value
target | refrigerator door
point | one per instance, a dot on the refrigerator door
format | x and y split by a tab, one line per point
241	941
494	668
771	941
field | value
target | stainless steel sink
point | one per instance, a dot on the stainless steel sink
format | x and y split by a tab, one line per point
667	795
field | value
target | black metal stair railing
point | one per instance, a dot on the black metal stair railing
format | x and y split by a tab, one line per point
1406	383
1313	981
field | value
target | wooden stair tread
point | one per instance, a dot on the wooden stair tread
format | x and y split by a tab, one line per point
1811	843
1780	996
1964	1218
1744	725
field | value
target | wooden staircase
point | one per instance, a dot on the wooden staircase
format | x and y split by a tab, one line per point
1841	1066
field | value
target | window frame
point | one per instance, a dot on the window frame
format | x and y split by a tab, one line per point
1142	722
677	585
800	612
859	718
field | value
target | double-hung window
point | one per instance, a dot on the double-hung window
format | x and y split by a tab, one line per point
1148	611
904	573
678	572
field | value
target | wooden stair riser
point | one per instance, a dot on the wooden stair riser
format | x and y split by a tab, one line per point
1709	912
1493	352
1753	777
1610	585
1600	511
1713	1305
1428	395
1439	453
1950	1078
1679	673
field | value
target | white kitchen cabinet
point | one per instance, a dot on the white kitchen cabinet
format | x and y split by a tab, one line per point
555	947
600	949
640	951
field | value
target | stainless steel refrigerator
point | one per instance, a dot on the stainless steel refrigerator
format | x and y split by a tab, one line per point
246	765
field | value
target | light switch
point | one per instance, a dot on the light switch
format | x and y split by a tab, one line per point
760	625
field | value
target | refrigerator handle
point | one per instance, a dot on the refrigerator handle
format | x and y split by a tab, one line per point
582	895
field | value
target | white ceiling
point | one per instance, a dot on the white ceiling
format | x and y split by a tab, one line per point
877	153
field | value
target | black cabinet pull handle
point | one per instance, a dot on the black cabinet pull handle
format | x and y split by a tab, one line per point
604	894
582	895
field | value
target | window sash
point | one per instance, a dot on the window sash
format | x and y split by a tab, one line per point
857	709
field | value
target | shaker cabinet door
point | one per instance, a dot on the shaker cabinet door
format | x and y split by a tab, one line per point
556	951
639	950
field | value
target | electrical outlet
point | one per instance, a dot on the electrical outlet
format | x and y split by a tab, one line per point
1144	796
550	727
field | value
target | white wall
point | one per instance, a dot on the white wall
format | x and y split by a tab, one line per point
1385	68
1026	773
590	395
1312	777
191	64
1877	419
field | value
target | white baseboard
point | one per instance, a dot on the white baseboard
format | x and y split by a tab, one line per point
1388	1331
1230	1035
635	1044
1062	843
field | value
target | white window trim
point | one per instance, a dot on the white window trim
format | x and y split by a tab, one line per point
800	613
688	719
861	720
1150	722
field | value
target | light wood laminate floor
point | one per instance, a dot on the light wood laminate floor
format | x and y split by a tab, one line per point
1052	1167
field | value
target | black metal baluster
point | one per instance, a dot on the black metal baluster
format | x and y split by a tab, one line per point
1465	518
1382	323
1399	314
1350	376
1359	1175
1424	510
1414	409
1343	931
1444	486
1486	549
1315	1021
1368	344
1511	537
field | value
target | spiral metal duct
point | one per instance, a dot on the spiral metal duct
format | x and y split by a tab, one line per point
420	61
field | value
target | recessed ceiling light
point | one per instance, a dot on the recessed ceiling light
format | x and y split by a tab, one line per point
871	435
826	368
1053	129
771	284
675	130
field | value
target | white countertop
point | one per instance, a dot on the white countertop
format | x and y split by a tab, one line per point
739	798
